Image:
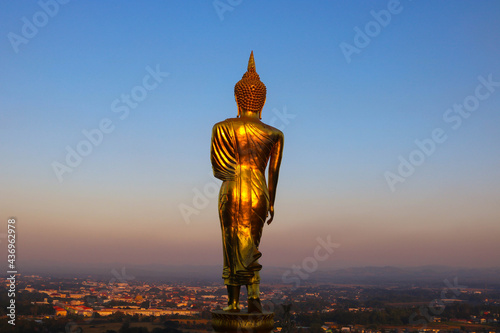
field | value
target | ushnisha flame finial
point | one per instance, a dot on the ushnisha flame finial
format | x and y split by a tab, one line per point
250	92
251	63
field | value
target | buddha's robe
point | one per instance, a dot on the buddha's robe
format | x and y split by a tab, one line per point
240	151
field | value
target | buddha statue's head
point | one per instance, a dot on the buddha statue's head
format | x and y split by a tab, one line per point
250	92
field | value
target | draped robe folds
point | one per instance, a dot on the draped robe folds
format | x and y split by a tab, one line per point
239	153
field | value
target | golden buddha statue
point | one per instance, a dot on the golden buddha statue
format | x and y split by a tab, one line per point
241	148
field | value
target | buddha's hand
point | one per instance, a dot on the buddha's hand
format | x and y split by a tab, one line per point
270	214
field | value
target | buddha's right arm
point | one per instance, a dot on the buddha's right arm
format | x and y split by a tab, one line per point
274	168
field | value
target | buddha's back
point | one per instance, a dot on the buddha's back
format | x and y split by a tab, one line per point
254	142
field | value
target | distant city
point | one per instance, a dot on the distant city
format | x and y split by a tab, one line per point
125	303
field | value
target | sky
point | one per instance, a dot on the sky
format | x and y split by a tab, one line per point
390	112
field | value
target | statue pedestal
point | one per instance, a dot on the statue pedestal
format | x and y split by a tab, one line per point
228	322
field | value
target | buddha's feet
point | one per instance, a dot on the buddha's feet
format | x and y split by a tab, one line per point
231	308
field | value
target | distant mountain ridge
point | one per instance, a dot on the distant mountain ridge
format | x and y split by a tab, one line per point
431	275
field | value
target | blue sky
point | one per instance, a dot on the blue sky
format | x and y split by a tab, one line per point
346	123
